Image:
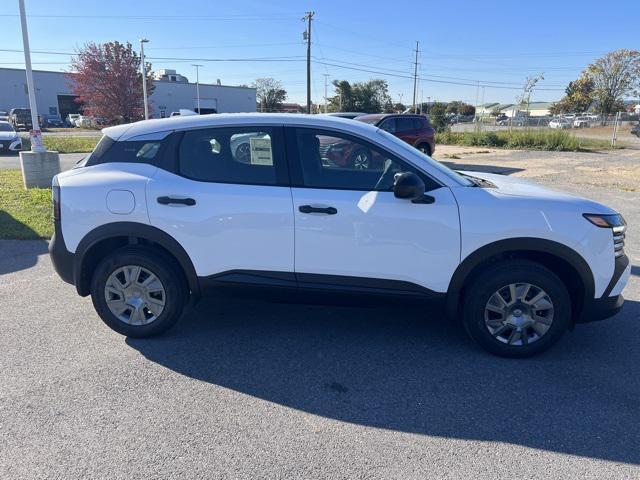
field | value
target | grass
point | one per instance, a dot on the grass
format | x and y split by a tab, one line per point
24	214
71	144
549	140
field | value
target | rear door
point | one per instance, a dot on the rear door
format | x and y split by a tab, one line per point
228	202
406	130
350	229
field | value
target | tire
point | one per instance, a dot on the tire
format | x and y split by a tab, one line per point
481	303
425	148
361	159
164	302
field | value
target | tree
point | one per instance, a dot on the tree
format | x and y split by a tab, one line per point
579	96
466	109
454	107
437	116
106	78
614	76
367	97
270	94
495	111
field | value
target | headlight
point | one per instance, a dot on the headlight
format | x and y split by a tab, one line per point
614	221
617	225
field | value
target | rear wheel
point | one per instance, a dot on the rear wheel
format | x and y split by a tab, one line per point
517	308
361	159
137	292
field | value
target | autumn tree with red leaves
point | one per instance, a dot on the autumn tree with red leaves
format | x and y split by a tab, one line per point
107	80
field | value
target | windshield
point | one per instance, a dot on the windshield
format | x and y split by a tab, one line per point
456	177
5	127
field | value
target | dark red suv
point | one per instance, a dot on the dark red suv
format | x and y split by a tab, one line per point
413	129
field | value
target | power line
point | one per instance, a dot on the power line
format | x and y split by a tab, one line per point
430	79
161	17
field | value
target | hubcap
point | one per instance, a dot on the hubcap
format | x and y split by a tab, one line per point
134	295
519	314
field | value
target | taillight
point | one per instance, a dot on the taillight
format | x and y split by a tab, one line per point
55	197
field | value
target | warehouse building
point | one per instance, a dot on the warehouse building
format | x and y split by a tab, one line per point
172	92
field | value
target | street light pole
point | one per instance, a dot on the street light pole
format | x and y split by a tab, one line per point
34	134
143	67
197	84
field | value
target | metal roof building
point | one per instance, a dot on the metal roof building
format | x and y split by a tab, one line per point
55	97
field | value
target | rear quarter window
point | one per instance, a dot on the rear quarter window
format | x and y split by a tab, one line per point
109	151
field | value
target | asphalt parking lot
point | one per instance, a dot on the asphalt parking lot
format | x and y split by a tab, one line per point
251	389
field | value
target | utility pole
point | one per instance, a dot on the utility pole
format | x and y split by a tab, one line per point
197	84
34	134
307	36
143	67
415	78
326	77
38	166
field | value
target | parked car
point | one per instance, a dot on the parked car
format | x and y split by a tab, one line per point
4	116
162	212
20	118
560	123
501	118
413	129
582	122
461	119
636	130
53	121
513	122
72	118
350	115
10	141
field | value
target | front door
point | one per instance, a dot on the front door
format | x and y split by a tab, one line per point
349	226
229	203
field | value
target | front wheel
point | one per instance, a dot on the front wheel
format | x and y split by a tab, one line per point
516	308
137	292
425	148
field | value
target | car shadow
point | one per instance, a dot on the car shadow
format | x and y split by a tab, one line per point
472	167
409	370
635	270
18	255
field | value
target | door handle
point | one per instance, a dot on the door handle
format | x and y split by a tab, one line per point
310	209
181	201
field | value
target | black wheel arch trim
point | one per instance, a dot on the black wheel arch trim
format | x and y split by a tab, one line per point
514	245
133	230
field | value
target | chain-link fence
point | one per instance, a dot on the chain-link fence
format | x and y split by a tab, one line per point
616	127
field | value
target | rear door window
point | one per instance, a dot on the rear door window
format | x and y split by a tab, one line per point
243	155
404	124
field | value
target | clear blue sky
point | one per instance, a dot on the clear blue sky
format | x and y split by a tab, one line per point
460	41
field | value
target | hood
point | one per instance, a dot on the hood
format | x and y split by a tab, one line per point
519	187
8	135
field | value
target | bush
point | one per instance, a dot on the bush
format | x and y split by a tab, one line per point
551	140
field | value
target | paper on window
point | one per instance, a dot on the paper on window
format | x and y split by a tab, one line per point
261	151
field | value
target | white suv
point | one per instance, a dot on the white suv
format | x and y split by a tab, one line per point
166	210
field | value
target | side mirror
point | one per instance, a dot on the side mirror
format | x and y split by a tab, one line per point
408	186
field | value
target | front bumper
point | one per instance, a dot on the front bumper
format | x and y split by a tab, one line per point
611	300
61	258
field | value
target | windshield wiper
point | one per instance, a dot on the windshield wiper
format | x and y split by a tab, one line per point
478	182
